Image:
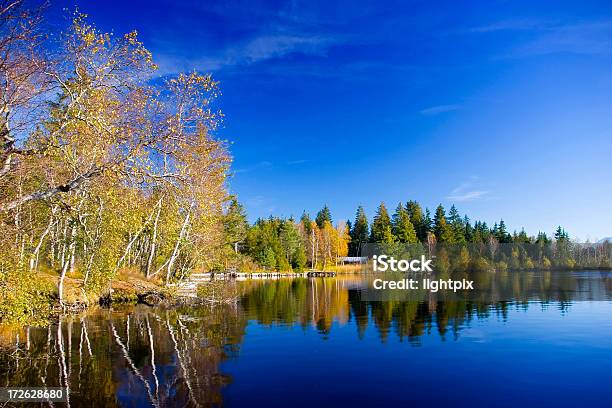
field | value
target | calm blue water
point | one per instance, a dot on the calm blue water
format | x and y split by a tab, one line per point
526	339
534	356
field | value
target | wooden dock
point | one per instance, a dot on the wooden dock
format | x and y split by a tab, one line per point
320	274
188	287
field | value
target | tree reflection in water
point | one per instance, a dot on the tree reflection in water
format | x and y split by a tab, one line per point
141	356
136	357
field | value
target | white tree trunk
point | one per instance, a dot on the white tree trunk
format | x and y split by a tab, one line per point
153	242
178	242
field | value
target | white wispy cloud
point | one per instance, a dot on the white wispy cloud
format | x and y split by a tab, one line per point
548	37
435	110
511	25
583	38
467	191
278	45
256	49
257	35
467	196
256	166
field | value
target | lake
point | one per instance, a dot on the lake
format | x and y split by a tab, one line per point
531	339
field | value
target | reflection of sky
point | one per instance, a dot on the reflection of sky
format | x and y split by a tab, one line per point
501	107
130	391
539	356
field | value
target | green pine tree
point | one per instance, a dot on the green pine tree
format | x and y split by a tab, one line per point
235	224
501	233
561	235
542	239
457	225
291	241
307	222
381	227
417	219
322	216
359	232
267	258
522	237
442	229
468	230
402	228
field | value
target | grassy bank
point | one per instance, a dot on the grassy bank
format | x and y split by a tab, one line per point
33	298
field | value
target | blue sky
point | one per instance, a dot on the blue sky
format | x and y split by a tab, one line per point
503	108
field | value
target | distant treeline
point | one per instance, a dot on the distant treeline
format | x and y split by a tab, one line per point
456	241
409	224
285	244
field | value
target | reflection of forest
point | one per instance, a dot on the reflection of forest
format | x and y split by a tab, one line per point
171	357
143	357
320	302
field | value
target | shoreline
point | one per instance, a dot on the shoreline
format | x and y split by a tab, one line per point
131	290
